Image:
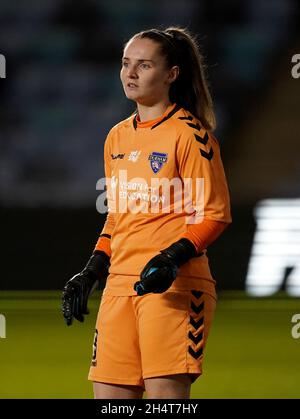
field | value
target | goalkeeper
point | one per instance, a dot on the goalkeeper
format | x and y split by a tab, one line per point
150	259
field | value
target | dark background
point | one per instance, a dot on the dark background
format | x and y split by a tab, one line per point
62	94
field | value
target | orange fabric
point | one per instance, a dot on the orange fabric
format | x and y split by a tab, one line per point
204	234
190	153
103	244
162	324
122	285
150	123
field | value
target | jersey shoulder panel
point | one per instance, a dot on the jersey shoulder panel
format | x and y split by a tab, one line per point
186	123
190	132
124	124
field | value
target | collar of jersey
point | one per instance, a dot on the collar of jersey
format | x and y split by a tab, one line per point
150	123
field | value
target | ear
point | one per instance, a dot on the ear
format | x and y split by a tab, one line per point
173	74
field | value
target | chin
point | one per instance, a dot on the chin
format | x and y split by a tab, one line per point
133	96
141	100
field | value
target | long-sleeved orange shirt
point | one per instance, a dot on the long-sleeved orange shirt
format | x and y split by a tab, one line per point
145	214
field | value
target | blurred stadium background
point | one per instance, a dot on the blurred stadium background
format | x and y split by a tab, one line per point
60	97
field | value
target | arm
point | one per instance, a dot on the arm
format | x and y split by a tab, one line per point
103	243
78	289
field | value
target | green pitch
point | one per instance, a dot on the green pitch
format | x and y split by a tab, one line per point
250	351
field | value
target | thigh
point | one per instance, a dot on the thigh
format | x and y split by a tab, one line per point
173	330
176	386
117	391
116	355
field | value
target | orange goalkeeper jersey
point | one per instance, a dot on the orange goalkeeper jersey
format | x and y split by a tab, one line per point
164	180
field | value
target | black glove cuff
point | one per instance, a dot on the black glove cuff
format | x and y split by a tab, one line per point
180	252
97	264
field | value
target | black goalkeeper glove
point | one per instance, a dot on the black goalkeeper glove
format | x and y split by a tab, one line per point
160	272
78	289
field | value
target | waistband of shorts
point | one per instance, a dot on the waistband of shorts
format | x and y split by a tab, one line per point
122	285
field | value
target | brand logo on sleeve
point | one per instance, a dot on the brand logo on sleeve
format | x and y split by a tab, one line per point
157	160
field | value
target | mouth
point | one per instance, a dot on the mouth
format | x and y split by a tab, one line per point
132	85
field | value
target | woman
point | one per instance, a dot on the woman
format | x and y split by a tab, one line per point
159	298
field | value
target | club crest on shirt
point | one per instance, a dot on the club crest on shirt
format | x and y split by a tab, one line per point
157	160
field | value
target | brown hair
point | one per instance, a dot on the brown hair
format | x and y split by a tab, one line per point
190	89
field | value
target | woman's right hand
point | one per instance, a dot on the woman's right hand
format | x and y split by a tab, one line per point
78	289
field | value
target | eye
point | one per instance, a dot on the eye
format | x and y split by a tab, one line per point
143	65
124	64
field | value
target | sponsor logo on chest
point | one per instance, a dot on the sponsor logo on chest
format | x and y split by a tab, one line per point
134	155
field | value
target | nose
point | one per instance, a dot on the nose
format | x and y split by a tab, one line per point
131	72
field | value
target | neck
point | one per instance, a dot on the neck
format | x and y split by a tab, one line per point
147	113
